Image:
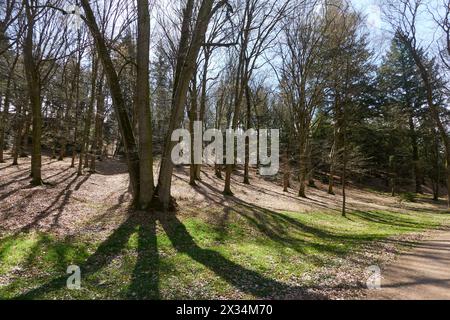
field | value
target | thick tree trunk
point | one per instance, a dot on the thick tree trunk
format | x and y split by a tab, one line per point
143	107
34	91
186	61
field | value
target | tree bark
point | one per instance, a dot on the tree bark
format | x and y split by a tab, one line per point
88	119
143	107
192	118
247	139
203	97
34	91
3	119
186	61
77	114
18	127
131	149
97	146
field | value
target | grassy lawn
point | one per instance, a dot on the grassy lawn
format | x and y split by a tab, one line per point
243	253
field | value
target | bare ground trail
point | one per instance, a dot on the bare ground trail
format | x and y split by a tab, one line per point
423	273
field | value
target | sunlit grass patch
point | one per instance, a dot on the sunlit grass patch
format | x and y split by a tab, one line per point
251	254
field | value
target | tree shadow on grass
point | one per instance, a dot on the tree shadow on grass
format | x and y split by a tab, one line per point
145	279
248	281
391	220
145	282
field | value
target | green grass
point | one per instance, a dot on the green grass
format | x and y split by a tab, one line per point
247	252
408	197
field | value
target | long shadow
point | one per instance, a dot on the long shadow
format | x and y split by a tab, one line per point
65	195
246	280
144	283
390	220
14	180
145	279
66	200
47	211
275	225
12	192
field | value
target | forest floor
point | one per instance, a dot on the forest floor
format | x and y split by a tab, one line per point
260	244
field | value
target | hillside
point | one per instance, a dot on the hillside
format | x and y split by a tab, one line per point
261	243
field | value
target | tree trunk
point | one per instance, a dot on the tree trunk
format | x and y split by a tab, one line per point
118	101
5	115
336	145
97	147
77	114
203	96
34	91
287	173
192	118
332	167
303	166
143	107
310	175
3	119
241	83
415	155
88	119
247	139
24	139
344	164
186	61
435	114
18	124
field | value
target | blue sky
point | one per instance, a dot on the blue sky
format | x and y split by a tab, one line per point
379	31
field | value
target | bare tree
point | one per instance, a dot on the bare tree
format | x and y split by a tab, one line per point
131	148
44	29
191	41
257	31
302	75
143	106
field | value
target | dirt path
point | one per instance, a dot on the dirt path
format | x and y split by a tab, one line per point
421	274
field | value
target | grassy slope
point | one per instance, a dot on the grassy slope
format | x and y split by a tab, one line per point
243	254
